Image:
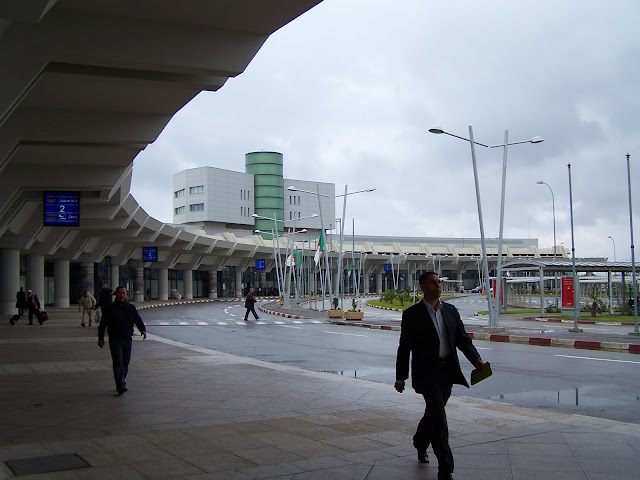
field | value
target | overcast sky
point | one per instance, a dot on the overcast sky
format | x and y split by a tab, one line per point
348	91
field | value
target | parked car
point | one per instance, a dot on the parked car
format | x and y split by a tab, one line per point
477	289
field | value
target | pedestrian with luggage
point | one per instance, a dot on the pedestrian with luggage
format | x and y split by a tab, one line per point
33	307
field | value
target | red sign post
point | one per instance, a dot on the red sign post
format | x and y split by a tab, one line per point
567	292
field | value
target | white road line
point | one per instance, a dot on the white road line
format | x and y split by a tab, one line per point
349	334
261	323
241	323
289	326
598	359
297	321
163	323
277	322
203	323
316	321
183	323
221	323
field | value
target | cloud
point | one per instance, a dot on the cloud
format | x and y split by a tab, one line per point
348	91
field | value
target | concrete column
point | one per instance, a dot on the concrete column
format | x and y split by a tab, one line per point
379	283
238	284
9	279
61	283
163	284
188	284
35	276
138	284
365	283
213	284
263	279
115	277
87	273
411	280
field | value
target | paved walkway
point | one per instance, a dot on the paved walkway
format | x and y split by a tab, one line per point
197	414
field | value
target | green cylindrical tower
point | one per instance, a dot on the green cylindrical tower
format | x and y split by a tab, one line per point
268	189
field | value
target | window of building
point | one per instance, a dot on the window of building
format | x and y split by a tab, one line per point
196	189
180	210
196	207
179	193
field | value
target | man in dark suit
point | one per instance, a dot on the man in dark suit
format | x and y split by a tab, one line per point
431	332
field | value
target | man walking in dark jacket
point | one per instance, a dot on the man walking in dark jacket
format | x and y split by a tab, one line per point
250	305
119	320
431	334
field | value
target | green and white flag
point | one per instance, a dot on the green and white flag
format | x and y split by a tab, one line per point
319	248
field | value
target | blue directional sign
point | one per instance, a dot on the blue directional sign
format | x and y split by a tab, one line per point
61	209
259	264
387	267
149	254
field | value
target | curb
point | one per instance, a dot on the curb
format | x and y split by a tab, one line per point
280	314
521	339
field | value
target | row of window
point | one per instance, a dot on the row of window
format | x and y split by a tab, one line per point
245	211
194	207
294	199
292	215
245	195
192	191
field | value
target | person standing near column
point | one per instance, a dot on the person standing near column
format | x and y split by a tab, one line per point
119	320
430	333
249	304
21	301
86	305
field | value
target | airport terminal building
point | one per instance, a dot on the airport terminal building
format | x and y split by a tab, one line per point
85	87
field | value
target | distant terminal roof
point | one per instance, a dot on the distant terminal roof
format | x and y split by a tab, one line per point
564	265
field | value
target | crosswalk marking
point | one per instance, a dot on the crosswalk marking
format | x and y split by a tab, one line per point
183	323
261	323
203	323
221	323
316	321
277	322
163	323
240	323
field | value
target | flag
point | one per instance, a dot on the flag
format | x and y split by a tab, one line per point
319	248
289	261
297	258
350	270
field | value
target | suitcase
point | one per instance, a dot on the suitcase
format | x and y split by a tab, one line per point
14	319
43	317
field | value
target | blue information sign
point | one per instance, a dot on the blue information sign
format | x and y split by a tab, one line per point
61	209
387	267
149	254
259	264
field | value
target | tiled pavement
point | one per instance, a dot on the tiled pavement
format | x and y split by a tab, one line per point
193	413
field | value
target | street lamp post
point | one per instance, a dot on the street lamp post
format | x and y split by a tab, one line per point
633	257
344	208
576	284
485	262
614	248
504	181
284	289
553	209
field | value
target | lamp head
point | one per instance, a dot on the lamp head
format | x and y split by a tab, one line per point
436	130
537	140
292	188
540	182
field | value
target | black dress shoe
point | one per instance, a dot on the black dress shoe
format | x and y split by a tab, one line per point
445	476
422	456
121	390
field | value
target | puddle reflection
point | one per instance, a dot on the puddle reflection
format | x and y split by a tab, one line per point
584	396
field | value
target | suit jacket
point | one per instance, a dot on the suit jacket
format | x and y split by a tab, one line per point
419	339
